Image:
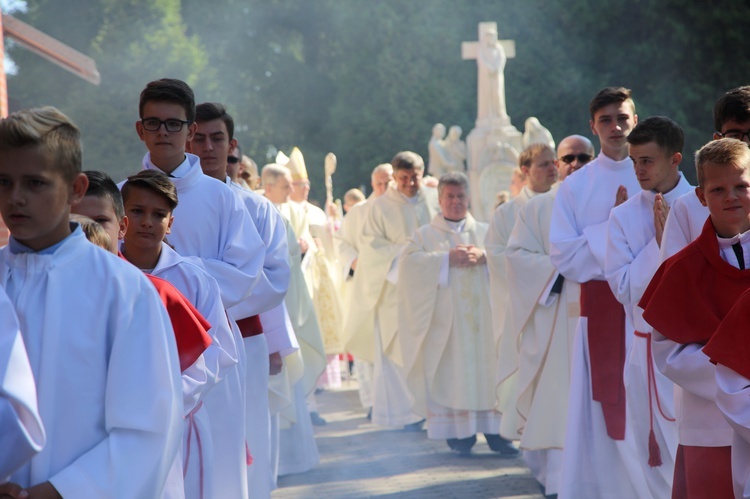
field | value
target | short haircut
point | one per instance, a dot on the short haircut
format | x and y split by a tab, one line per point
169	90
667	134
610	95
155	181
93	231
722	152
272	171
101	185
453	178
407	160
382	168
528	155
209	111
48	130
354	196
732	106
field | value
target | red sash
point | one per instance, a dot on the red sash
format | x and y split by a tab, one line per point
250	326
606	338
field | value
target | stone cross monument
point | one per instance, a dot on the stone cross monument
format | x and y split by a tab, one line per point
493	145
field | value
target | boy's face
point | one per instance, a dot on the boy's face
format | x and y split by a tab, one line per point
612	124
736	130
655	169
726	193
150	219
100	209
35	197
167	148
212	145
542	172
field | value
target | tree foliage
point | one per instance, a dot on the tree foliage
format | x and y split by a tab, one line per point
367	79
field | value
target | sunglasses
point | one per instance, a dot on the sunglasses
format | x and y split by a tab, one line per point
233	159
582	158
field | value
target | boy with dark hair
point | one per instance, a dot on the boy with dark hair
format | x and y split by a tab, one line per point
211	224
149	200
685	302
633	237
116	431
267	339
597	459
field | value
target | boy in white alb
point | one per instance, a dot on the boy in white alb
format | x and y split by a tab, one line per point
114	422
634	236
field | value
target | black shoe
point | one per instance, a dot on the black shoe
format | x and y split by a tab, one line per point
462	445
502	446
414	426
369	414
317	420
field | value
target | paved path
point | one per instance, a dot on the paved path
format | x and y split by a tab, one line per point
359	459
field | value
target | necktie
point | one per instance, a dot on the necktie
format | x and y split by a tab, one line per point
737	247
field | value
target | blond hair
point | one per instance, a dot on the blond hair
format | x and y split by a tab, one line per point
528	155
49	130
721	153
93	230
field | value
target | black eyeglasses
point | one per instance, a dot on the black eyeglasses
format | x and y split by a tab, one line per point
171	125
233	159
734	134
582	158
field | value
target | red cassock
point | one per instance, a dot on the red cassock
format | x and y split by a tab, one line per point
190	327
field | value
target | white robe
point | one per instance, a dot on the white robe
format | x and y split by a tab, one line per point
593	464
211	223
632	258
732	396
391	220
685	221
546	323
445	328
275	280
348	240
219	359
114	422
21	428
506	340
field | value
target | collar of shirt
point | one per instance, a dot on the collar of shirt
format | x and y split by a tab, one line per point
727	252
457	226
16	247
178	172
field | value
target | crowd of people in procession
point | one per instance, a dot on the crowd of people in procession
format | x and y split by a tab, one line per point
166	336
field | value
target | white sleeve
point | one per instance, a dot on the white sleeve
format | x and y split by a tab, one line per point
277	328
686	365
21	430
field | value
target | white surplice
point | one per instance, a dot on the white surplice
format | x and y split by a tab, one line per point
21	428
632	258
732	396
391	220
506	340
685	221
546	323
593	464
445	328
114	422
275	280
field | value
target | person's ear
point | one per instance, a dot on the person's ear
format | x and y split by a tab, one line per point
701	196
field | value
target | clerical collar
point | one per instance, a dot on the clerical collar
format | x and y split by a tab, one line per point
16	247
726	242
178	172
679	179
456	225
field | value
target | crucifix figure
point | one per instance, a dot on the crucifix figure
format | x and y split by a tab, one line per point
491	55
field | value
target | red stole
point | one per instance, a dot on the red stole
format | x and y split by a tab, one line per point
190	327
729	345
250	326
606	338
693	291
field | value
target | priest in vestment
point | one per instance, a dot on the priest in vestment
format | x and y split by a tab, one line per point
537	163
445	324
596	452
391	220
295	446
543	312
634	235
348	241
